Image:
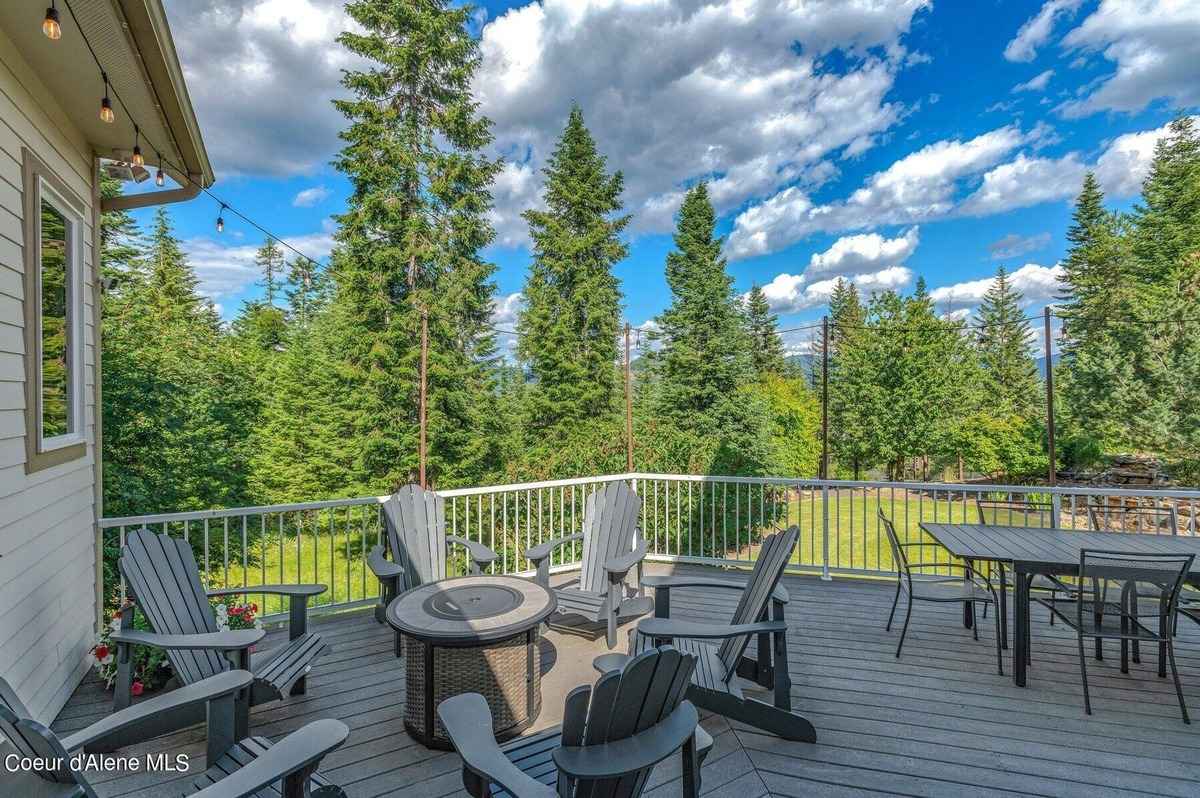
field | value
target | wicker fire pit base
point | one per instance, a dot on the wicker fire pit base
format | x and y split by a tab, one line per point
471	635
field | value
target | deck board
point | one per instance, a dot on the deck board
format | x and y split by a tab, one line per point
938	722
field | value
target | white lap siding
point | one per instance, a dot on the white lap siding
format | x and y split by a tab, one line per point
47	518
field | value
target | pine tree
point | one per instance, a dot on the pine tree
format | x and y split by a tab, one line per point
766	347
269	260
1009	373
408	245
569	325
705	350
852	400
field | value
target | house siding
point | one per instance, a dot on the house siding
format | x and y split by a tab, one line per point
47	518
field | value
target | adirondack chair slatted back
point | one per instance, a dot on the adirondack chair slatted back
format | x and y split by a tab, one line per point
756	598
162	574
30	738
416	522
621	704
610	517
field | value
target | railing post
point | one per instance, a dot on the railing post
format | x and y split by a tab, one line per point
825	533
1055	510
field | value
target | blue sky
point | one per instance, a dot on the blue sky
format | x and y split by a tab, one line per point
877	141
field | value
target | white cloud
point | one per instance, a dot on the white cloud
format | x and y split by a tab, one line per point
225	270
675	90
1025	181
261	74
1036	83
1037	29
919	186
789	293
310	197
506	309
1036	283
862	254
1156	47
1014	245
1126	161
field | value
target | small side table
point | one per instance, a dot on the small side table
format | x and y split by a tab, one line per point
473	634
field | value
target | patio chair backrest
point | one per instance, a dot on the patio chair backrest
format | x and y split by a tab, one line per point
610	516
1164	572
621	704
898	555
162	574
1015	512
31	739
415	520
1154	519
772	560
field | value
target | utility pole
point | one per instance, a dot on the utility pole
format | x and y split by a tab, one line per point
628	407
825	397
424	395
1049	398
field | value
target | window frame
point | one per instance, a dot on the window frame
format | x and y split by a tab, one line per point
40	183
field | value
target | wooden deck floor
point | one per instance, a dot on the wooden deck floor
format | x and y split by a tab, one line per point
939	722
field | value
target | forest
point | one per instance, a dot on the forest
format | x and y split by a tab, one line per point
312	391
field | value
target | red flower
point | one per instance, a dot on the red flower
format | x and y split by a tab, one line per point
101	651
254	608
137	688
235	610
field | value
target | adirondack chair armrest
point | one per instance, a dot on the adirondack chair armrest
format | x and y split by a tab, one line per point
668	628
481	555
233	640
298	753
544	550
383	568
666	582
634	753
298	596
468	722
618	567
203	691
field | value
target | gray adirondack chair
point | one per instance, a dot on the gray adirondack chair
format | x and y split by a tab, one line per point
720	651
237	768
164	580
414	520
612	736
611	549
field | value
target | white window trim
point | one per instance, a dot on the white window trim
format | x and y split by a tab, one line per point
75	312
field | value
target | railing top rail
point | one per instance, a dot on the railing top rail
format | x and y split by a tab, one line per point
946	487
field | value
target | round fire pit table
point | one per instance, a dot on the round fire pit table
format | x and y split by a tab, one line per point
473	634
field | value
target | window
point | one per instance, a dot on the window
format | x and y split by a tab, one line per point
54	408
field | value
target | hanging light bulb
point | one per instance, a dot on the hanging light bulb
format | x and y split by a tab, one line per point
158	176
106	111
221	219
50	25
137	158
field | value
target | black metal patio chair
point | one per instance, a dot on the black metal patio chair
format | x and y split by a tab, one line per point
1026	513
964	585
1148	586
1156	519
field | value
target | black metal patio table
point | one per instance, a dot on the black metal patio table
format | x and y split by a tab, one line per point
1037	550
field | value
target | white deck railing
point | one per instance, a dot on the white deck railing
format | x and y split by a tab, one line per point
685	518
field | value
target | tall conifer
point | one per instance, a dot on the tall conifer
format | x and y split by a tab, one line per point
1009	372
766	347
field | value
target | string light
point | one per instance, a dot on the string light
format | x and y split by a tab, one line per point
221	219
137	159
158	176
50	25
106	111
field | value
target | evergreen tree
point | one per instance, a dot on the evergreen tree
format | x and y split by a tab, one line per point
1009	373
269	260
408	245
766	347
570	322
705	350
852	400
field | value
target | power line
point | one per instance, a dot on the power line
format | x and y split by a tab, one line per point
225	206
